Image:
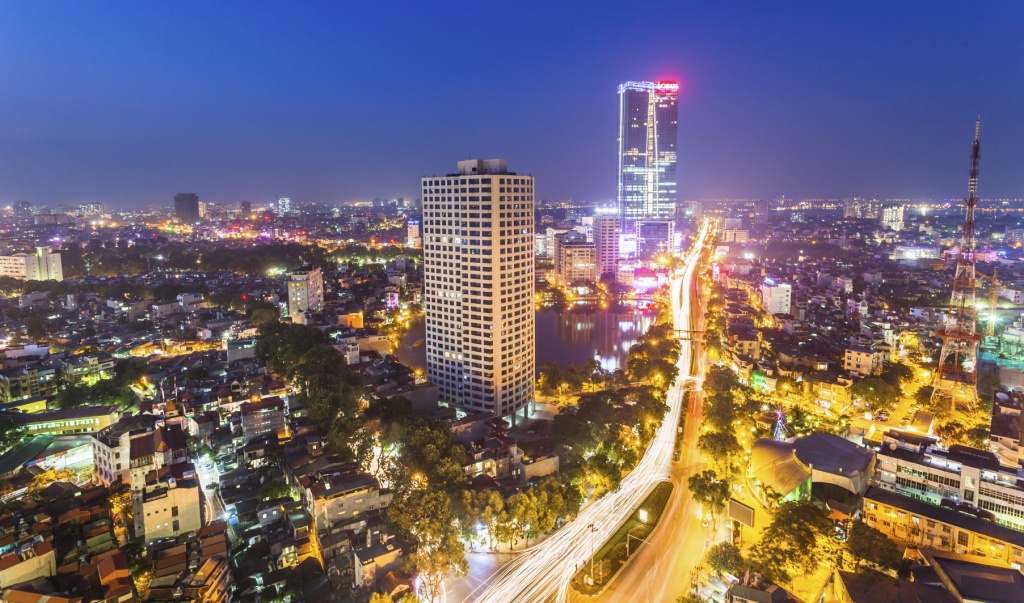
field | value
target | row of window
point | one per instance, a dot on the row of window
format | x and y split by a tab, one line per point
477	180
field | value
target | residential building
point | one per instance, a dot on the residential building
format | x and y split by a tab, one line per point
414	238
27	562
607	230
648	125
912	521
87	368
863	361
776	298
478	287
284	206
27	382
342	497
212	582
912	465
43	265
305	291
575	258
152	458
186	207
262	418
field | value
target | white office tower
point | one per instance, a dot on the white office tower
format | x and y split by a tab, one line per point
478	257
606	242
44	265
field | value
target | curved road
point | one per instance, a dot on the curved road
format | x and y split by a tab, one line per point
542	573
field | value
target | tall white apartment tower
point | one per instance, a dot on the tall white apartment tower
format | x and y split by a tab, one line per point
606	241
478	258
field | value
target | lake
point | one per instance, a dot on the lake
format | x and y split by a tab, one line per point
567	337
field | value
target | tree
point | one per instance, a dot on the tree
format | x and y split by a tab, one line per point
720	410
724	557
140	568
120	496
877	393
484	508
797	538
44	479
923	397
721	446
274	490
897	374
952	432
426	516
709	491
35	328
869	544
10	434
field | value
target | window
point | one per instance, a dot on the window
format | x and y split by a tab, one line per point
174	511
962	538
176	526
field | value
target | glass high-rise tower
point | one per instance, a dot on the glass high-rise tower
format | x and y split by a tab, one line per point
648	125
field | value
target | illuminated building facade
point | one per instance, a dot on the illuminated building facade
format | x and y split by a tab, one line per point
776	298
648	125
305	292
892	217
575	258
478	257
43	265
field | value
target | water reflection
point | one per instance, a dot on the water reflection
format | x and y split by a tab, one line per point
562	337
575	337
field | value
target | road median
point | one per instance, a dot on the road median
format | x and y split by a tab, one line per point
598	572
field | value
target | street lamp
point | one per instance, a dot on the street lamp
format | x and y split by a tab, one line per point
593	531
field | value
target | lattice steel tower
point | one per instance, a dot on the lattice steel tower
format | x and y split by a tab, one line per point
956	380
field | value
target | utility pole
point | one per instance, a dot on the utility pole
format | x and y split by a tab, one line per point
593	530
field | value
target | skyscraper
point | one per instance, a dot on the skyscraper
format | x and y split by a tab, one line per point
284	206
478	248
186	207
648	124
246	210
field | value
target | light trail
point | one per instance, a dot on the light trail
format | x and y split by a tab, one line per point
542	573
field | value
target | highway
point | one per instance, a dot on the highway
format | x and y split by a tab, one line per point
542	573
660	571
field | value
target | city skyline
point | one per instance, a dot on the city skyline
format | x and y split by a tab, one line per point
822	102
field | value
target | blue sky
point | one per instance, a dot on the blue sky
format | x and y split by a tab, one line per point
130	103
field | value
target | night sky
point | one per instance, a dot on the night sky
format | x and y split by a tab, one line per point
131	102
